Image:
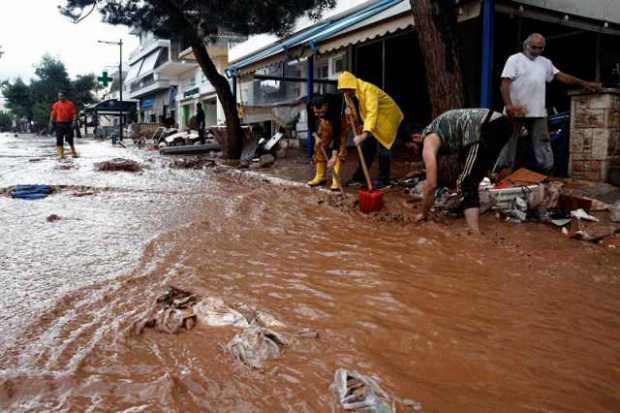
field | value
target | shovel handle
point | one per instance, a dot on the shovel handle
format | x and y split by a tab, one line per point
364	167
356	131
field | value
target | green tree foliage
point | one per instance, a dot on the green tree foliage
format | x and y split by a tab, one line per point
34	101
195	21
18	98
81	90
6	121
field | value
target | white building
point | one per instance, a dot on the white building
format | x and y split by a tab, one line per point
153	77
167	81
194	86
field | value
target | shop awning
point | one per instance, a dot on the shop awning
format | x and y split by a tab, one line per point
149	63
134	70
314	35
391	20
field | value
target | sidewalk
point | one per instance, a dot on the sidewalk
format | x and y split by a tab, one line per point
400	207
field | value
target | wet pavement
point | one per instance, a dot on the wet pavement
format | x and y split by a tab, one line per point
522	320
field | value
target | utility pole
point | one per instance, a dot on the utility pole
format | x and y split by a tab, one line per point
120	83
120	86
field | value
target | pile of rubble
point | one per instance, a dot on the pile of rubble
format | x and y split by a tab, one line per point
178	311
118	164
262	338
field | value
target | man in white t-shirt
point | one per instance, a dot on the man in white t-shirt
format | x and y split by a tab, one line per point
523	88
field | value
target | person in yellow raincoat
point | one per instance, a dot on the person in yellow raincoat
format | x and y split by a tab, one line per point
332	138
381	118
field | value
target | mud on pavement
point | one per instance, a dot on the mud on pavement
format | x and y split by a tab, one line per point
522	320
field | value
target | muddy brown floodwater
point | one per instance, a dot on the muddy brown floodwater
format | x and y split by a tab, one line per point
522	320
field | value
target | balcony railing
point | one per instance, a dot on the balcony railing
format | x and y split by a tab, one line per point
141	84
147	47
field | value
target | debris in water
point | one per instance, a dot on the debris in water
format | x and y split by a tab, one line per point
118	164
30	192
357	392
172	313
414	405
86	193
192	163
255	345
53	218
307	333
266	320
212	311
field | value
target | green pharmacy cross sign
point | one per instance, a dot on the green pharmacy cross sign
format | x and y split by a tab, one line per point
104	79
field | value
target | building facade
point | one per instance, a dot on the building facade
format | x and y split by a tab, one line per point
167	82
376	40
153	77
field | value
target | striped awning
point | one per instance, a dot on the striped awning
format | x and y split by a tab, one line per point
311	37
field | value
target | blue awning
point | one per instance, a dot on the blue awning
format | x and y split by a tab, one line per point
314	35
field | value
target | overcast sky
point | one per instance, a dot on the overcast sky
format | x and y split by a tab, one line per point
31	28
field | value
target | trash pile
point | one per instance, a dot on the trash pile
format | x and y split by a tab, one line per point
529	196
194	162
172	313
261	339
255	345
118	164
177	311
359	393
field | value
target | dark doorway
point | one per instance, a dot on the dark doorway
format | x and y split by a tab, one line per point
369	64
395	65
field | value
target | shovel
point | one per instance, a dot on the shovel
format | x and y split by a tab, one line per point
371	200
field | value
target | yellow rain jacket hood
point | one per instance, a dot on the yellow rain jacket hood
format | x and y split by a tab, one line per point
380	114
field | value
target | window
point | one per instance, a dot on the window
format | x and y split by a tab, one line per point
339	64
322	71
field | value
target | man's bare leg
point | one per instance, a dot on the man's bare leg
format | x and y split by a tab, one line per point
472	217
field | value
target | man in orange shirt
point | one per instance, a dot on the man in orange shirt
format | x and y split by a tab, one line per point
63	117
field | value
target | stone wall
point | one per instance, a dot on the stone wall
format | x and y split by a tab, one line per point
595	135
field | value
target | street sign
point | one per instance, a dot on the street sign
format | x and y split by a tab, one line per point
104	79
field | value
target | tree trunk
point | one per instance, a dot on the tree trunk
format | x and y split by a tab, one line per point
435	23
234	135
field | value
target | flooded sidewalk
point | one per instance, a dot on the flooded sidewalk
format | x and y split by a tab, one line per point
522	320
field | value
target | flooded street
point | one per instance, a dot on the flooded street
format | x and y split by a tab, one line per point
523	320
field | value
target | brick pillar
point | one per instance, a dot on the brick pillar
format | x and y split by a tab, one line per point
594	135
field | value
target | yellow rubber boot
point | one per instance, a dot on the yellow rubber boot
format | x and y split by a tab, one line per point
319	178
74	152
61	152
336	172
